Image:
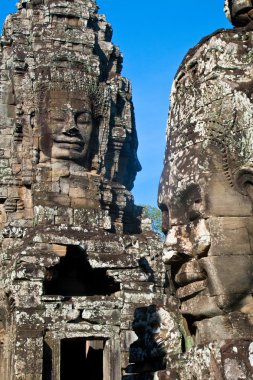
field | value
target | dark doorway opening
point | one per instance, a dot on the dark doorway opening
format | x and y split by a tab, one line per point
81	359
47	362
74	276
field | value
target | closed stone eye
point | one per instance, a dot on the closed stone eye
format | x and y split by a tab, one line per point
194	211
83	118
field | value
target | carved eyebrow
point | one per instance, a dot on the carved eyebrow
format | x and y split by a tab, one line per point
57	113
80	112
87	116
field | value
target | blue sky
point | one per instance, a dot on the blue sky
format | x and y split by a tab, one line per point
154	36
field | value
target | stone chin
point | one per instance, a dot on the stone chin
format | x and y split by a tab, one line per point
201	307
200	300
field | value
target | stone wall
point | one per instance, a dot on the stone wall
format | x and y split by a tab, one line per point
75	266
86	287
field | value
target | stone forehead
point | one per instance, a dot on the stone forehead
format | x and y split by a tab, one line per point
84	87
213	147
63	104
208	104
68	75
73	86
63	95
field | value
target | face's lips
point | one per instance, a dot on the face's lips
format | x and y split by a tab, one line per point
68	140
191	290
190	280
189	272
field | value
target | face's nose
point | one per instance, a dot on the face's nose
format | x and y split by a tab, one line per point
177	244
71	131
138	166
163	200
187	241
70	127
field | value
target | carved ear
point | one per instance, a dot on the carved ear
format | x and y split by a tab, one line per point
243	180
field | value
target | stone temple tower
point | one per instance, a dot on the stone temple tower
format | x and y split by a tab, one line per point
78	276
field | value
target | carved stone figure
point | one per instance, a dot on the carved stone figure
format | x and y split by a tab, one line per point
68	112
67	128
206	197
74	262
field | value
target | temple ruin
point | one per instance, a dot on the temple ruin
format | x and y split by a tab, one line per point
87	290
75	264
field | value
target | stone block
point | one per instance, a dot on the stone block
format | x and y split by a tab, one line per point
127	337
84	203
59	250
228	274
230	236
106	260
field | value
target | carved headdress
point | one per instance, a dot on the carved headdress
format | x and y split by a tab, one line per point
72	51
209	106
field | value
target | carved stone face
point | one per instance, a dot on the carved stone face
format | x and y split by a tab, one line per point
210	234
206	188
239	12
66	127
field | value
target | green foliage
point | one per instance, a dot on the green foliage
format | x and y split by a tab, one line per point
155	215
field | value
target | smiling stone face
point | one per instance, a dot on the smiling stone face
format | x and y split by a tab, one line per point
67	126
206	186
209	241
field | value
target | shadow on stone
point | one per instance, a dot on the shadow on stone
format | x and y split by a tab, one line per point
147	353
